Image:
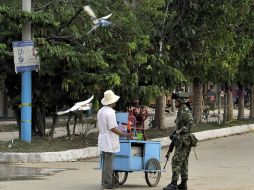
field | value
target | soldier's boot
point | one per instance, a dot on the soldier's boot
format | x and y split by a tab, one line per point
183	185
171	186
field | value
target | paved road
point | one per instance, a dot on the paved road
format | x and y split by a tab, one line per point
224	164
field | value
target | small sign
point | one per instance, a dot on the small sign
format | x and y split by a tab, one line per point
25	56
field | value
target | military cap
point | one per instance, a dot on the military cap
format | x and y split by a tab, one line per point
180	96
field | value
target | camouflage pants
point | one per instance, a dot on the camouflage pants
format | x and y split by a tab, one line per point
180	162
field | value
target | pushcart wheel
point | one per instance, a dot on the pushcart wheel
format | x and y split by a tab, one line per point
115	179
153	176
122	177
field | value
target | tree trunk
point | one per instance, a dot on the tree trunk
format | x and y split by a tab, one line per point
38	124
173	109
160	105
197	100
17	113
252	103
229	103
225	115
6	106
53	126
75	123
240	102
68	125
205	88
219	107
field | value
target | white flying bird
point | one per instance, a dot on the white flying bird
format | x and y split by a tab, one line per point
85	107
81	106
96	22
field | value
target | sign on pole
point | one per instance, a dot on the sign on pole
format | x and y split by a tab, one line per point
25	56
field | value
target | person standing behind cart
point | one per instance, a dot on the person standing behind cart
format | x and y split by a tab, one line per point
183	140
108	140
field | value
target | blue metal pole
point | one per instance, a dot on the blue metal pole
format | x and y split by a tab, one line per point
26	107
26	84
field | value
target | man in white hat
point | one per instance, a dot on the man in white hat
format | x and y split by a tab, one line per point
108	140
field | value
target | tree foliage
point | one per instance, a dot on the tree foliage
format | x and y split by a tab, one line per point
203	40
151	46
123	56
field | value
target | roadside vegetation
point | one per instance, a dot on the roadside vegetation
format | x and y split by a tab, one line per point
152	49
78	141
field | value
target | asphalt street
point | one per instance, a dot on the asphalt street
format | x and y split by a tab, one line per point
223	164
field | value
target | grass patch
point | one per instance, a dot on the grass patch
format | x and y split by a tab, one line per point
156	133
62	122
46	144
210	126
8	128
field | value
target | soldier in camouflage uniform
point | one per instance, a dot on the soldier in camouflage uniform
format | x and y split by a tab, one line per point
182	142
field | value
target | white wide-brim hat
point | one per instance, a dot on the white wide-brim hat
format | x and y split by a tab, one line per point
109	98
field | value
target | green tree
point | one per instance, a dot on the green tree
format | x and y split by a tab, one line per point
245	69
202	41
123	57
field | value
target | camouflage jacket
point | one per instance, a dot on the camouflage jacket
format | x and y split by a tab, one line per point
184	120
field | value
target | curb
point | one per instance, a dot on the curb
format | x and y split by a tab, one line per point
216	133
91	152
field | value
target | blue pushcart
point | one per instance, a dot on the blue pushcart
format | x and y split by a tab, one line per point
136	155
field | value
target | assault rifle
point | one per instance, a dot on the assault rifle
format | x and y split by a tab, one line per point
170	149
172	144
